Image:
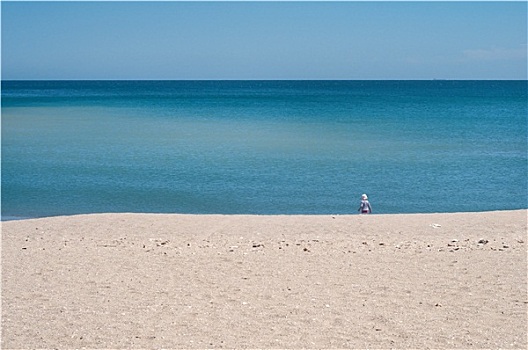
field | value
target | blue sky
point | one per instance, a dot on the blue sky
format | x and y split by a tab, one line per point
264	40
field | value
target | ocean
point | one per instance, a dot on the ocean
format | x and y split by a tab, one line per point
262	147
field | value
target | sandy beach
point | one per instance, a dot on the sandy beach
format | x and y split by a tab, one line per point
212	281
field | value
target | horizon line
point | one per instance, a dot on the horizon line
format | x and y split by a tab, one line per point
145	79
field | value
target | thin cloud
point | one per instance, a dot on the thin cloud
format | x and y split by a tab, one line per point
495	54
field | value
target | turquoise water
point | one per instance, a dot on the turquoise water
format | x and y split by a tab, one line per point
262	147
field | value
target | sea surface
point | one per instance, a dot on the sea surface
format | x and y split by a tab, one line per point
262	147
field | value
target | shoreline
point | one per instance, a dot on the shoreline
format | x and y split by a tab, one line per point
10	218
438	280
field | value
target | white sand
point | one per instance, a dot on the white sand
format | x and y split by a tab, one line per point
190	281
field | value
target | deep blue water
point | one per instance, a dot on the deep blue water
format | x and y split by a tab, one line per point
262	147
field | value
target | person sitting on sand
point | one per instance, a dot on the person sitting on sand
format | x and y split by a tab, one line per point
364	207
